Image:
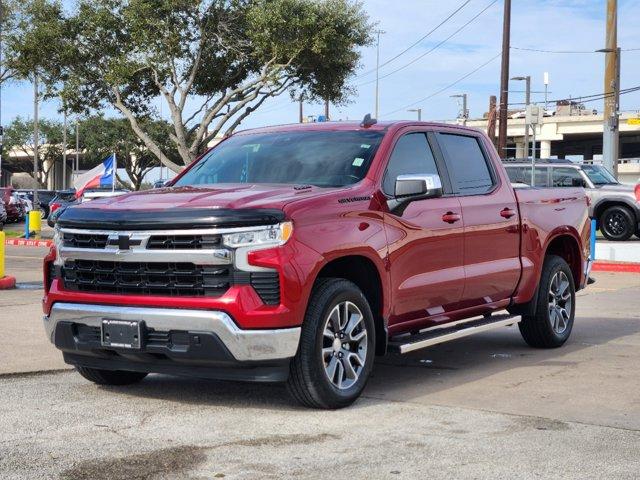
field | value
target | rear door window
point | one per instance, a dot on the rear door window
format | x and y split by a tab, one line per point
411	155
566	177
468	167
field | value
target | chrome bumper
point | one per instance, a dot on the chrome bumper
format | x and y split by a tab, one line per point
244	345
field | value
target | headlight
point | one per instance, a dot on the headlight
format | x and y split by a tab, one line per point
272	235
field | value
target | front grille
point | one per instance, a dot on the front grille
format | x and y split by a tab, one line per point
183	242
85	240
143	278
267	285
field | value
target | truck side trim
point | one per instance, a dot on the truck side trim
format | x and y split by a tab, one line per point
244	345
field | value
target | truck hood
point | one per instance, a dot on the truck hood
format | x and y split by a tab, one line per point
233	196
189	207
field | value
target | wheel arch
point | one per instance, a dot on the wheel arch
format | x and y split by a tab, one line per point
603	205
363	272
567	247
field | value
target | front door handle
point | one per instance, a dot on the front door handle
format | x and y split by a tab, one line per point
507	213
450	217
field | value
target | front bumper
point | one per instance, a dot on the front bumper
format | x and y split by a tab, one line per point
191	342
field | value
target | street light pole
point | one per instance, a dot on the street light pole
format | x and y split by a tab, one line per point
418	111
64	151
465	111
378	32
527	101
36	140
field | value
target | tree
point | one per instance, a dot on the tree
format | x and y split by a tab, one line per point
19	136
102	136
212	62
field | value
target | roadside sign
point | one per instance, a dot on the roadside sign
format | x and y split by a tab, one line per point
633	121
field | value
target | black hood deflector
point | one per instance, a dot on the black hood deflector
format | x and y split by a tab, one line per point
105	219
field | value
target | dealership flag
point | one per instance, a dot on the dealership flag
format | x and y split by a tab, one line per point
104	175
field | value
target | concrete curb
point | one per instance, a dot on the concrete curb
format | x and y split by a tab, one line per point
602	266
24	242
7	282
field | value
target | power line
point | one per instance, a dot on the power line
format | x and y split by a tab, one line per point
590	98
538	50
434	47
417	42
445	88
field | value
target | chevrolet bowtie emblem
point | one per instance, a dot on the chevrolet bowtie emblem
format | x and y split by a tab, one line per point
124	242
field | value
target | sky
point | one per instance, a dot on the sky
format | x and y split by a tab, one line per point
566	25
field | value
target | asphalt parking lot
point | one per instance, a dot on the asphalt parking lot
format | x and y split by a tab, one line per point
482	407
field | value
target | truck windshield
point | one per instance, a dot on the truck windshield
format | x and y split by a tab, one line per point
599	175
321	158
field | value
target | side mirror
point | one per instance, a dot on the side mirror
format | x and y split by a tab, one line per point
414	187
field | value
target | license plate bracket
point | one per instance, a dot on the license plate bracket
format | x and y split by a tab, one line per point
121	334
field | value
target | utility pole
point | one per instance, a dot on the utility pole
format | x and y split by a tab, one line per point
610	136
527	101
36	140
418	111
504	79
378	32
300	113
465	111
491	120
64	150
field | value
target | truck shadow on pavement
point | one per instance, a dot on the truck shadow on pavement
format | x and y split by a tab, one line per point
423	374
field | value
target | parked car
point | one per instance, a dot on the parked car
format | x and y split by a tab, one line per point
44	198
28	204
298	253
3	214
615	206
12	206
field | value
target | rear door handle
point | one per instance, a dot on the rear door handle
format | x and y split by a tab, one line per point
450	217
507	213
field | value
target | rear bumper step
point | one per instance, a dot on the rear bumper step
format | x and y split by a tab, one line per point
441	334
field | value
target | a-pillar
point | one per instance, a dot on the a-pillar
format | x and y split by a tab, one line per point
545	148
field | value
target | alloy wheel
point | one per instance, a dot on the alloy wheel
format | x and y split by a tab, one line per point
560	302
344	345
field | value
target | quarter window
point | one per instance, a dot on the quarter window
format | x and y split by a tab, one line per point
411	154
466	163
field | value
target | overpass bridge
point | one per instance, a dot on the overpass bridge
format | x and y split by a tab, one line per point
578	137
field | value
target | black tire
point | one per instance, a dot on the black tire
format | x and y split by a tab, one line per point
537	330
617	223
638	233
110	377
308	381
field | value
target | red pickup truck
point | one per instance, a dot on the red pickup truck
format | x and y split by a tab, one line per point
298	253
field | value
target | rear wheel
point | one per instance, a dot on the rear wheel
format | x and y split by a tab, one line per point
551	325
617	223
110	377
337	347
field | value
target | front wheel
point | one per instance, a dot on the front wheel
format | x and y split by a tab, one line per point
551	325
337	347
617	223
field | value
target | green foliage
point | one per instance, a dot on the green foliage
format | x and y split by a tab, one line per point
213	62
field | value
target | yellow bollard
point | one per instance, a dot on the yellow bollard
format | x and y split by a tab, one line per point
35	221
1	254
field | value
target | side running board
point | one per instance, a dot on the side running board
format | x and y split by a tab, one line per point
444	333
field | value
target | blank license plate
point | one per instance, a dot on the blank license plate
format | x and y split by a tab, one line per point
121	334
